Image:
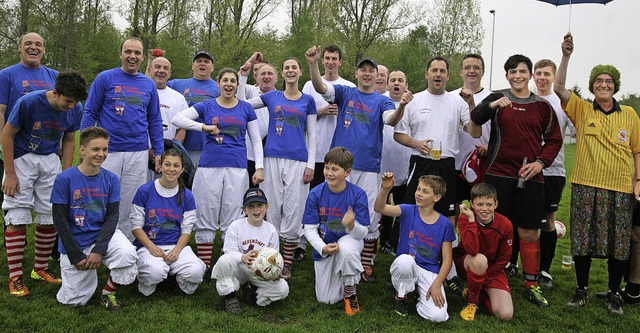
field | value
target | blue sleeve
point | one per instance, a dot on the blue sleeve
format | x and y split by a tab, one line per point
361	208
188	201
16	116
140	199
311	105
339	91
405	211
154	120
5	88
449	233
60	191
200	107
266	97
93	104
76	120
311	214
251	113
114	192
388	104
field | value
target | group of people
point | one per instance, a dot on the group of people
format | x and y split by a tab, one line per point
332	159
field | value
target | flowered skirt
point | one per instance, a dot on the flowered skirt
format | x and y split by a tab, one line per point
601	222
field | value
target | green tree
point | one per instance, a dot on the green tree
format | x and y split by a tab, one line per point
455	27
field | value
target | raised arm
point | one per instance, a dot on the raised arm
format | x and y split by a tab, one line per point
312	55
561	75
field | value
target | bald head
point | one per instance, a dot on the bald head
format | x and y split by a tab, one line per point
381	79
31	49
160	72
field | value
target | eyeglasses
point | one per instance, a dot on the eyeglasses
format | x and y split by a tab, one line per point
475	68
601	81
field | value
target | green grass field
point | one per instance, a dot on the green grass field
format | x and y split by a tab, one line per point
168	309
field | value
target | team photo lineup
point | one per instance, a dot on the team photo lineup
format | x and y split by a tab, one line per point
142	173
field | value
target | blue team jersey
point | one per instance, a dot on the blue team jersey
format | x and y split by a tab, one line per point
163	216
127	107
228	148
87	198
195	91
327	209
421	240
40	125
287	119
18	80
360	125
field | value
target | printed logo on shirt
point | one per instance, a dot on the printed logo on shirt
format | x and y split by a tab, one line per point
360	116
230	130
26	87
119	101
623	136
77	205
36	135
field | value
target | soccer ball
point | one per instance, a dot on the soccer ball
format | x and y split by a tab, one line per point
268	264
561	230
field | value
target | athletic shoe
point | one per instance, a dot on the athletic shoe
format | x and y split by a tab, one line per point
534	295
401	306
299	254
579	299
232	305
456	285
17	287
614	303
250	293
351	305
602	294
367	275
46	275
545	279
111	302
386	248
286	272
511	270
469	312
628	299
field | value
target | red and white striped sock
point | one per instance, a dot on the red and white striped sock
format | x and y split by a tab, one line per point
367	252
288	249
110	287
45	240
349	291
15	251
205	250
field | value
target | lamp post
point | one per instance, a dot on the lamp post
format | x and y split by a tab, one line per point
493	34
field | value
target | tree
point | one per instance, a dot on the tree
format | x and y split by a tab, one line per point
456	27
632	100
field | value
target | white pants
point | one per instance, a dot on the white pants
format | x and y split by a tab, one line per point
36	174
131	168
230	275
336	271
194	155
188	270
78	286
218	193
405	274
370	182
287	194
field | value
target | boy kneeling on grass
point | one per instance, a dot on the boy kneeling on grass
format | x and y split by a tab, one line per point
424	234
86	201
335	221
485	248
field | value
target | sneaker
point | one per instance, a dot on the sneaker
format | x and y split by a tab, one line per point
456	285
579	299
631	300
250	293
386	248
469	312
111	302
545	279
511	270
299	254
401	306
351	305
367	275
17	287
232	305
534	295
614	303
602	294
286	272
46	275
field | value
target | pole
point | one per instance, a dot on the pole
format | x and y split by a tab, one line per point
493	35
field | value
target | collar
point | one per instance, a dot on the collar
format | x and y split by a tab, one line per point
616	107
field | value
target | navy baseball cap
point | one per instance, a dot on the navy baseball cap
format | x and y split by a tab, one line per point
254	195
202	54
367	60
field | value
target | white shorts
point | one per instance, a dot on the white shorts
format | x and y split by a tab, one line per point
370	182
336	271
188	270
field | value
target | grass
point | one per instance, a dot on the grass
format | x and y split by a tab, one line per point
168	309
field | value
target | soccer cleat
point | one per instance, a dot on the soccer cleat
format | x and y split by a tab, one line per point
456	285
545	279
367	275
579	299
111	302
614	303
386	248
469	312
534	295
232	305
46	275
628	299
17	287
401	306
299	254
511	270
286	272
351	305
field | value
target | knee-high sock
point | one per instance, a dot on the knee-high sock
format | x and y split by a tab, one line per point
515	249
349	291
367	252
45	240
530	257
110	287
548	240
15	251
205	250
474	282
583	266
616	270
288	249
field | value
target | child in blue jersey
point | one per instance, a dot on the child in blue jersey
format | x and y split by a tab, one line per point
289	160
424	234
85	203
335	222
221	177
162	217
31	141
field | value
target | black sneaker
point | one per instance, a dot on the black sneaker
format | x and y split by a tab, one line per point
534	295
111	302
456	285
386	248
511	270
614	303
401	306
545	279
299	254
631	300
250	293
602	294
579	299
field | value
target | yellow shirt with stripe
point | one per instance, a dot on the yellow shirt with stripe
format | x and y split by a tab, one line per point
605	145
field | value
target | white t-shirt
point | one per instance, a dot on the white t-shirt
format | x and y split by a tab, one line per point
242	237
467	142
395	157
325	125
436	117
171	102
557	167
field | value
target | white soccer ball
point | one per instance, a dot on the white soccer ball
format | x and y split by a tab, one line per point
561	230
268	264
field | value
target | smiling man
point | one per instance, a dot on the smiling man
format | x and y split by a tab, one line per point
171	101
124	102
381	80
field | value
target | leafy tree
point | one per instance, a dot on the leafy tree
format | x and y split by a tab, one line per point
455	27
